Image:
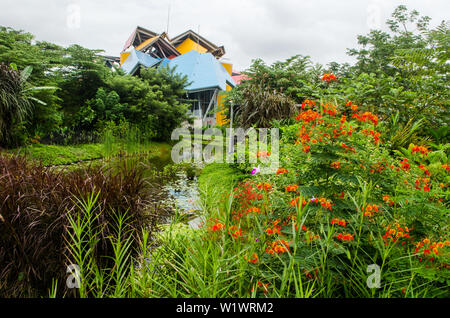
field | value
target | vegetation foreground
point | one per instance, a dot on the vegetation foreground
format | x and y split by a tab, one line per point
359	207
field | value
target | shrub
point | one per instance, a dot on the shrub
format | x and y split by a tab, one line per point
35	203
339	203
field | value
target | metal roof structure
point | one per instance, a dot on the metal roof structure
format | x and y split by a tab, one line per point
203	71
217	51
138	36
137	59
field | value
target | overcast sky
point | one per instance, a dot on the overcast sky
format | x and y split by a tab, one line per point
268	29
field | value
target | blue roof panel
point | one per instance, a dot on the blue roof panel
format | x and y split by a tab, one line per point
137	58
203	70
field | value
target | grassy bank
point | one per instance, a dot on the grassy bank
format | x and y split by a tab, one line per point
63	155
218	179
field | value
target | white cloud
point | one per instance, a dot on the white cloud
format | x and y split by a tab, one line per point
249	29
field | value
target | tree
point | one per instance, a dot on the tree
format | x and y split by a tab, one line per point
81	73
19	48
378	47
16	103
403	71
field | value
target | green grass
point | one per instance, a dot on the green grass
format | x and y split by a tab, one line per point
60	155
64	155
218	178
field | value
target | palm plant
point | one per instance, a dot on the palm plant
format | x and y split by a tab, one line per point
261	106
401	135
16	100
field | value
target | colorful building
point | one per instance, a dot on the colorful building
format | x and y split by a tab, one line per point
191	55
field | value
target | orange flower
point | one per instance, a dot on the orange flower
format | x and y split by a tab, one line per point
339	222
217	227
262	154
295	202
329	77
254	258
260	284
348	148
366	116
423	150
236	234
279	247
308	102
281	171
253	209
370	210
292	187
345	237
336	165
266	186
330	109
324	203
404	164
308	116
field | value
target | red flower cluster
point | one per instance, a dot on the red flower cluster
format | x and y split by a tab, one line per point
339	222
253	209
235	232
330	109
370	210
217	227
291	188
262	154
261	285
254	258
266	186
352	106
281	171
429	246
367	116
348	148
423	150
276	229
345	237
375	134
405	165
335	165
324	203
245	195
309	103
329	77
424	169
422	182
296	201
387	199
279	247
308	116
396	232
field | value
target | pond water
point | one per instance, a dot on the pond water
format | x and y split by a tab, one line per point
182	190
